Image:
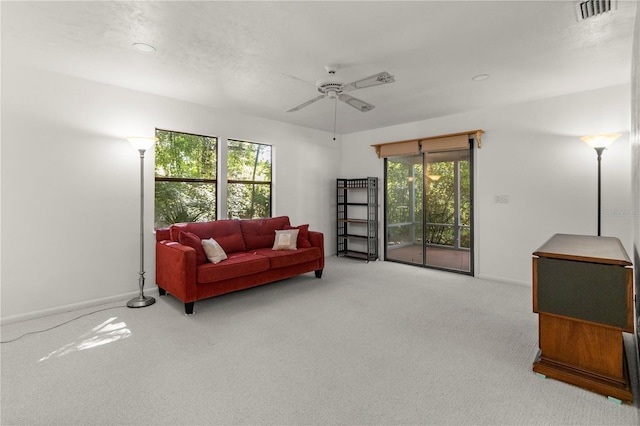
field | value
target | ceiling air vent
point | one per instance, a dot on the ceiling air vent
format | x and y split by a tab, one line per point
590	8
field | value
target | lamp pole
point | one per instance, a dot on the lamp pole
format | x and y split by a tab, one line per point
141	144
599	151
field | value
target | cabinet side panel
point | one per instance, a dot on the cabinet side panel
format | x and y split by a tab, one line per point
587	291
534	269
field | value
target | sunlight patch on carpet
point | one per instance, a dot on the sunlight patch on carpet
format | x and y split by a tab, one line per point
107	332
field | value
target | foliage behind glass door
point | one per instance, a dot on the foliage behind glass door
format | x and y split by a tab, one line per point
428	210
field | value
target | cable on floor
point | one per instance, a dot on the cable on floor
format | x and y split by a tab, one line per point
61	324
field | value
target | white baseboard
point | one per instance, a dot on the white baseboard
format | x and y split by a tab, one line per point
153	291
504	280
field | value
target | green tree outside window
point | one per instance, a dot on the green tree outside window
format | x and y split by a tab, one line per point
248	180
185	178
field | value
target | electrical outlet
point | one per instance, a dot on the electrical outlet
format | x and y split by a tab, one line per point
502	198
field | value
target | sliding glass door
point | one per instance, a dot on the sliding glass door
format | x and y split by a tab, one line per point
448	210
404	179
428	210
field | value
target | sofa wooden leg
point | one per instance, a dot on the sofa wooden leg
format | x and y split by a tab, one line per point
319	273
188	308
162	291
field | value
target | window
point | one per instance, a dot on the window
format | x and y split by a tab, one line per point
248	180
185	178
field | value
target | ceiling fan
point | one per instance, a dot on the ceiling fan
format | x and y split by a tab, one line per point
332	88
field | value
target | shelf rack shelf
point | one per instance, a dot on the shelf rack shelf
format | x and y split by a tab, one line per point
357	218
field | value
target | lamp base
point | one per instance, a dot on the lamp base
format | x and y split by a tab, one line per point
141	302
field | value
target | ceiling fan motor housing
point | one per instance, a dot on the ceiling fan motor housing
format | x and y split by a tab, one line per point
327	87
330	86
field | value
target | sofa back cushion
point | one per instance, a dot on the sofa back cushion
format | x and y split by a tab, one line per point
226	232
261	233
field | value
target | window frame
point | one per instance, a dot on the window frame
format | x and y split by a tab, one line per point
221	186
206	181
245	181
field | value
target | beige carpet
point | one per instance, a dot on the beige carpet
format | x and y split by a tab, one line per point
369	343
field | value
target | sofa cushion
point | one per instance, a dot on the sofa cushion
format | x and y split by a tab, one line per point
236	265
284	258
286	239
261	233
226	232
193	241
303	235
214	252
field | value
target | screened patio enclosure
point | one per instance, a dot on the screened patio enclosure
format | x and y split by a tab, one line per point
428	210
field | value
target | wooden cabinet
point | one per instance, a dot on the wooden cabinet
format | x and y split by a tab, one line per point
357	218
583	295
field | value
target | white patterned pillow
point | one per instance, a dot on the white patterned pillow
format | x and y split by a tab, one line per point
286	239
214	252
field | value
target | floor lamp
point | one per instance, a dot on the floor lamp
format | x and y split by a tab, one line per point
600	143
141	144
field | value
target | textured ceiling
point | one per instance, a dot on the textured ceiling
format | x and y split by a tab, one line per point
263	58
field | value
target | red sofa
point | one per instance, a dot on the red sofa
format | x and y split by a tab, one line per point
183	270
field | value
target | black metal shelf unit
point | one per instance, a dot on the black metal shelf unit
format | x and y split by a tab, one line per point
357	218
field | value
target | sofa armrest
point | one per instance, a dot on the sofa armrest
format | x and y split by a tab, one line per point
317	240
162	234
176	270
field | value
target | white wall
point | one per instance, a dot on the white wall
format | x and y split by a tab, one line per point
532	153
70	185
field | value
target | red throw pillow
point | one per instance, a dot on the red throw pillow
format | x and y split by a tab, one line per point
192	240
303	235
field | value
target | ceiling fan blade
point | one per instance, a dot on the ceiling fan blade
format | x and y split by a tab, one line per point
374	80
293	77
356	103
309	102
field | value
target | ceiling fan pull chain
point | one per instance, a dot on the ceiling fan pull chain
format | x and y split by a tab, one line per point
335	115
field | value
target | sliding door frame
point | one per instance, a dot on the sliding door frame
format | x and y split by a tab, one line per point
472	184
